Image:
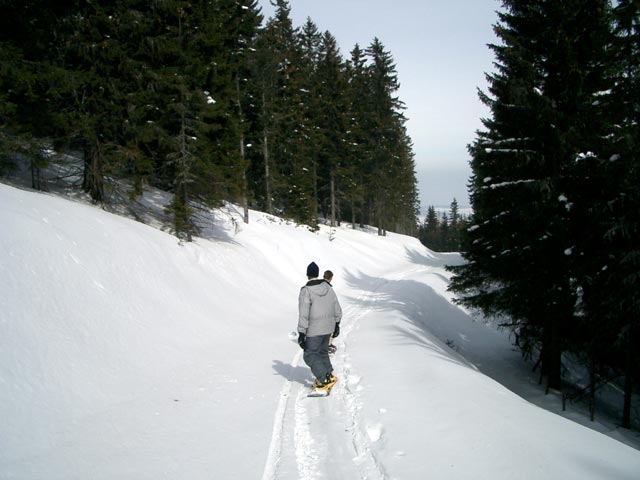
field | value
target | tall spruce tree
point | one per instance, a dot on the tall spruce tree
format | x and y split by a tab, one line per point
356	139
429	230
455	224
620	274
543	101
385	123
310	39
237	22
332	124
95	45
288	181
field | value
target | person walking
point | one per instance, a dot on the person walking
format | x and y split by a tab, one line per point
328	276
319	315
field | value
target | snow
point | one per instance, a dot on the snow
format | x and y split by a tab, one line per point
584	155
209	98
125	354
493	186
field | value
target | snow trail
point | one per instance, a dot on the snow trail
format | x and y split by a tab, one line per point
275	447
315	438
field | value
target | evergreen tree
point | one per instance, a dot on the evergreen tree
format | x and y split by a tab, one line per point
386	134
94	50
356	137
429	233
617	280
264	72
286	174
544	112
332	125
455	225
311	103
444	232
241	21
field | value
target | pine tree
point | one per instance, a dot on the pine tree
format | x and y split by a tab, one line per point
455	227
332	123
94	52
429	233
310	39
286	174
356	137
542	103
619	275
264	72
386	123
240	20
444	232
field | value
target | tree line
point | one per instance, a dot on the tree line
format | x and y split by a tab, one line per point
443	232
553	242
208	101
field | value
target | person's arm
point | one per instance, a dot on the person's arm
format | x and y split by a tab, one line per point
304	308
337	309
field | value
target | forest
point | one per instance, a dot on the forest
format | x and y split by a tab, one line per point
444	231
552	249
211	102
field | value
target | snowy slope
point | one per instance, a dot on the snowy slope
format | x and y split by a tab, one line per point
126	355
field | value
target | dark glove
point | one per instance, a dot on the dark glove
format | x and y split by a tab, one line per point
302	340
336	331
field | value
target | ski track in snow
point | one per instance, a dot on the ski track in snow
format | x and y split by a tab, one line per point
315	438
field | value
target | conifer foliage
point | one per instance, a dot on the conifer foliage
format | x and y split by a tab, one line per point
444	232
208	101
549	246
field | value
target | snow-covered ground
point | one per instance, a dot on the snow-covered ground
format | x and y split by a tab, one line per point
126	355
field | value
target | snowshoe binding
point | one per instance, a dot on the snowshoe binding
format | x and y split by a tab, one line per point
322	388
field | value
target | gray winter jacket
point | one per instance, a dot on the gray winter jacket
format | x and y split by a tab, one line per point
318	308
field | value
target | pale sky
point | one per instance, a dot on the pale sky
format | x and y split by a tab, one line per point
441	55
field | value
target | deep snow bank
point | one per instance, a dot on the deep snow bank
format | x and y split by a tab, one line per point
124	354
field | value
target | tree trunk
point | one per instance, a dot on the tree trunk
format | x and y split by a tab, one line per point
267	177
353	214
182	213
380	213
333	200
592	387
628	383
35	176
245	190
93	181
314	203
551	354
265	156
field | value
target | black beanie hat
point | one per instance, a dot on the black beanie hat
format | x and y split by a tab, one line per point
313	270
